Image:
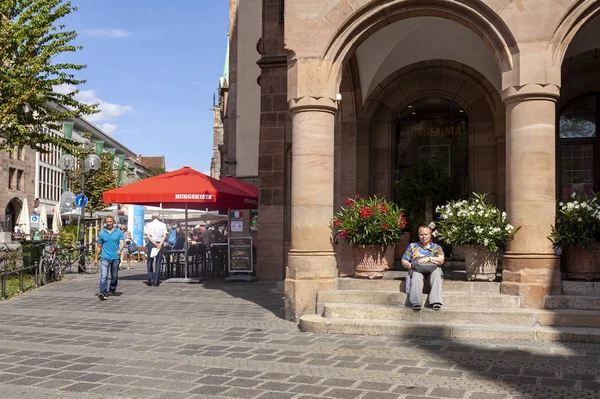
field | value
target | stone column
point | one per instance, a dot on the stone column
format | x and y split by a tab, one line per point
530	268
311	261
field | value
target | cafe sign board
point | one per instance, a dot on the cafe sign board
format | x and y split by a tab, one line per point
241	257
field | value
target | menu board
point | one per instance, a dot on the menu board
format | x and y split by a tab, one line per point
240	255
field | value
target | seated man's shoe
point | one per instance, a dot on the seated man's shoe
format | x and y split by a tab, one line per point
416	307
149	283
436	306
157	284
102	296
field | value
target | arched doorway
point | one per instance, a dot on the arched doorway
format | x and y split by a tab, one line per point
11	213
435	130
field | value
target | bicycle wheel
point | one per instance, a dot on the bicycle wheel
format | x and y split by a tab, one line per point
90	267
57	269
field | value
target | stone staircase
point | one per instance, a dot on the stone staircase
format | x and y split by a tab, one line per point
472	310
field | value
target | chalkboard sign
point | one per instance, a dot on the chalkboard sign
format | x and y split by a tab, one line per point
240	255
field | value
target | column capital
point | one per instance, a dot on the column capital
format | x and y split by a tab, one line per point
314	104
531	92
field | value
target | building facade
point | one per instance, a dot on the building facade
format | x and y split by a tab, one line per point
505	94
17	173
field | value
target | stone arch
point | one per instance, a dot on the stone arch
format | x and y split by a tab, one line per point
579	77
377	14
11	212
575	19
452	81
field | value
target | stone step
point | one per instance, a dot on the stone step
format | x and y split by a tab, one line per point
581	302
451	299
322	325
581	288
569	318
349	283
489	316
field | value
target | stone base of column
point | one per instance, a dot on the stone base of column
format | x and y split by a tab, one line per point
531	277
308	272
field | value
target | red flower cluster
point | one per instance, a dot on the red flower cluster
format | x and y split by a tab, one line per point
349	202
383	209
337	223
385	226
402	221
366	212
343	233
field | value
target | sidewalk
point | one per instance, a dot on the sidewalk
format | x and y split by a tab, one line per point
226	340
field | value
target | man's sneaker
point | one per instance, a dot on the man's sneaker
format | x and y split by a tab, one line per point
112	294
102	296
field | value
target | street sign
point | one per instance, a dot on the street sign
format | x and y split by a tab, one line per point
34	219
81	200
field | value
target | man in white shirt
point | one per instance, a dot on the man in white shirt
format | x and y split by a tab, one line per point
156	234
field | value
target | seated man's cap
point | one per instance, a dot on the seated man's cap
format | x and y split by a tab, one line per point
155	214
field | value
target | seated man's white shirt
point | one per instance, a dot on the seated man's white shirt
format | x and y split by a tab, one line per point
156	230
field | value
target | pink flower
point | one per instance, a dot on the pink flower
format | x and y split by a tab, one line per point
337	223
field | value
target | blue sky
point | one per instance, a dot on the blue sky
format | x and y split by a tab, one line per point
153	66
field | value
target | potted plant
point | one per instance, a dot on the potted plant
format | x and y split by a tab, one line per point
577	233
370	225
481	228
419	190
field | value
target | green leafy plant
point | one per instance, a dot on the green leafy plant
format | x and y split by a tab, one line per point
425	184
369	221
577	222
104	179
67	236
473	223
37	87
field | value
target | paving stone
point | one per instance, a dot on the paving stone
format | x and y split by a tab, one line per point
556	382
26	381
338	382
80	387
276	395
274	376
410	390
373	386
447	393
209	390
379	395
242	393
485	395
343	393
212	380
276	386
244	382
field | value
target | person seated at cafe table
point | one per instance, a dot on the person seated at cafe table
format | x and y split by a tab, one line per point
424	258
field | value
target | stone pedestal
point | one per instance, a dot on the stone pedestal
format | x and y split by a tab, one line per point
311	261
530	268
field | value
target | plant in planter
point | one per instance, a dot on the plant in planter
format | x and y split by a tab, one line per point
370	225
577	233
481	228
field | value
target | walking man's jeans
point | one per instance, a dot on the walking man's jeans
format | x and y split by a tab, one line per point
154	277
105	266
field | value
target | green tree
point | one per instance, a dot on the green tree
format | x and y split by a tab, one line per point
150	172
31	43
103	180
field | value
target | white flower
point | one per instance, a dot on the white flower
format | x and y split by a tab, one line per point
485	241
444	216
560	204
435	233
579	219
503	215
431	225
573	195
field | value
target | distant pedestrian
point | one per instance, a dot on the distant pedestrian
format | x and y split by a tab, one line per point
156	234
123	213
110	243
128	249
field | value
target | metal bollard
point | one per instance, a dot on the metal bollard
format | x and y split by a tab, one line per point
3	278
21	290
36	274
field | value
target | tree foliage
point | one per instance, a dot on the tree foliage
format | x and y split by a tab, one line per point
155	171
103	180
31	46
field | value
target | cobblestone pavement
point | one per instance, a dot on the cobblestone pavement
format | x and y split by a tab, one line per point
225	340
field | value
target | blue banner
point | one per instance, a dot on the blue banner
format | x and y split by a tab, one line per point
138	224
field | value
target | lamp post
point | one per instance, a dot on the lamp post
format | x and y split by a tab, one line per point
89	165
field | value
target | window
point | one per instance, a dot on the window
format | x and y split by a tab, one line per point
20	153
11	178
577	147
19	180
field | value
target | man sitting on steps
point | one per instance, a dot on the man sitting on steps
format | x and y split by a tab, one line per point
424	257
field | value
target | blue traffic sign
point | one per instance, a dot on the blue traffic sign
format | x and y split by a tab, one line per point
34	218
81	200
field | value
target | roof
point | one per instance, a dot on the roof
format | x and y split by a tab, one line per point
152	162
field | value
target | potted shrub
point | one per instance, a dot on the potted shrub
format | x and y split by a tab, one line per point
577	233
480	228
370	225
419	190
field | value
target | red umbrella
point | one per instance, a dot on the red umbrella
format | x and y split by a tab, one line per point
180	187
183	188
241	185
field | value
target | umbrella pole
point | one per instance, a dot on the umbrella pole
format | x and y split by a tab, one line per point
186	240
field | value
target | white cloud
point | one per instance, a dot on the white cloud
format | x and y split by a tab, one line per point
107	128
110	33
108	111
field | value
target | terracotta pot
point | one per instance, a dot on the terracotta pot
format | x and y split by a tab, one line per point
581	263
480	264
402	245
458	252
369	262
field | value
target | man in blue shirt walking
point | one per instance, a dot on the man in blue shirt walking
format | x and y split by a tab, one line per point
110	242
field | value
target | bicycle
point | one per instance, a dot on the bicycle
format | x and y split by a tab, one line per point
68	256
